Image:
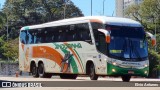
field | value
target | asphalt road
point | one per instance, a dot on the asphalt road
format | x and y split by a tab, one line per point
84	83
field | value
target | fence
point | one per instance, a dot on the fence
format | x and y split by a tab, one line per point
8	68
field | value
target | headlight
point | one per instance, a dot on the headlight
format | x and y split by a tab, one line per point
145	65
114	63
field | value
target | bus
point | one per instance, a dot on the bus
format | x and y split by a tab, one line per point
92	45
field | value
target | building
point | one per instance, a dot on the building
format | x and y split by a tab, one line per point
122	5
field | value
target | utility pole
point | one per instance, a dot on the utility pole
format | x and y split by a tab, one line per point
65	5
103	6
91	7
0	6
64	13
155	33
7	28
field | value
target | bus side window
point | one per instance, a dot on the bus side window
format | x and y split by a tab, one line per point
44	36
63	33
78	37
27	37
38	39
52	34
35	37
99	37
30	37
85	32
47	36
22	37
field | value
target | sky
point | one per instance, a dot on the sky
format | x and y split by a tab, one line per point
97	7
85	6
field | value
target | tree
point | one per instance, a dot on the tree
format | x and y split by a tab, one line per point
2	22
148	13
8	49
28	12
154	64
20	13
1	44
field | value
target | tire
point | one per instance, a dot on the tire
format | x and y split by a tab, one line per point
126	78
68	76
42	73
92	73
34	71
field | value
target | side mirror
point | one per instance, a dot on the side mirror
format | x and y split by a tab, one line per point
107	35
153	38
108	39
153	41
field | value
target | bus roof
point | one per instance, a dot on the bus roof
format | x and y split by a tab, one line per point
101	19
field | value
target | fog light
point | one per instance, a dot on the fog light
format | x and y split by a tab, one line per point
113	70
145	72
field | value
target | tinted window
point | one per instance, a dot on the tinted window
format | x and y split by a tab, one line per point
83	33
76	32
99	37
23	37
125	31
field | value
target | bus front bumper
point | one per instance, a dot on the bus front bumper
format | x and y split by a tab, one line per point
113	70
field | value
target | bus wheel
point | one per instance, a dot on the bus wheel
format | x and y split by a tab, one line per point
92	73
126	78
34	71
68	76
42	73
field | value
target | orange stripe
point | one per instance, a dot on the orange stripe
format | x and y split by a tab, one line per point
45	52
26	67
22	46
48	53
96	20
75	56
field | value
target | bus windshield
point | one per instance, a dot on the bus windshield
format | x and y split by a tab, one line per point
127	42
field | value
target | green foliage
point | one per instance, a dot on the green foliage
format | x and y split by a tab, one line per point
9	49
154	61
21	13
2	22
148	13
1	44
29	12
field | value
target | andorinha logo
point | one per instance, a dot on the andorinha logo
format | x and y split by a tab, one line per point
65	46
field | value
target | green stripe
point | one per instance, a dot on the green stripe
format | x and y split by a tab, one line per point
119	71
79	58
26	28
73	63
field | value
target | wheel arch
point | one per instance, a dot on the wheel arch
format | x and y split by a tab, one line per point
41	62
31	64
88	63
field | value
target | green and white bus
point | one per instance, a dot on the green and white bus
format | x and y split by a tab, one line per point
93	45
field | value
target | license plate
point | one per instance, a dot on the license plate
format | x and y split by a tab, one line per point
130	72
